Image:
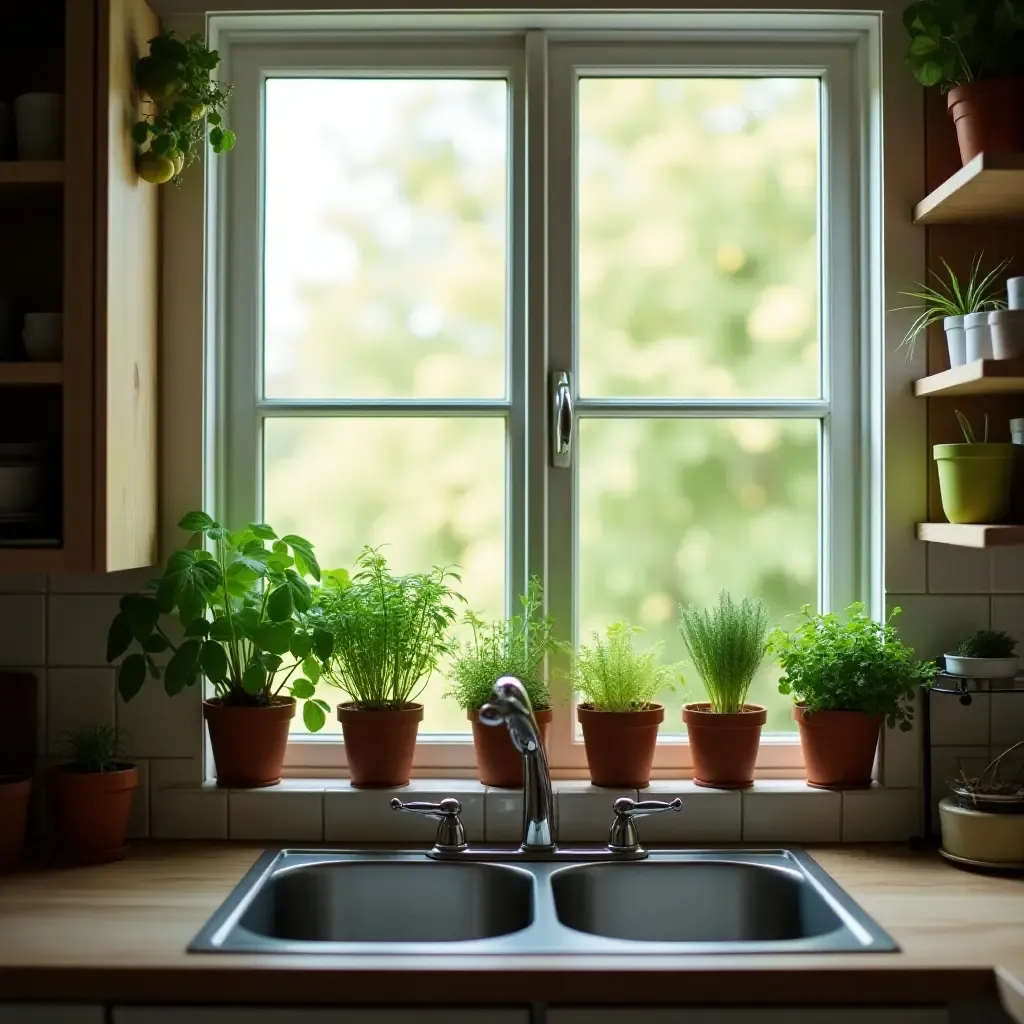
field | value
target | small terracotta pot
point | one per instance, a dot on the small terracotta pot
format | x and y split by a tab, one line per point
724	747
839	747
90	812
14	797
989	116
497	759
380	745
248	743
620	745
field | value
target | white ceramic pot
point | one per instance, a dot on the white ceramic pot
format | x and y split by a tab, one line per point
1015	292
956	340
39	120
1007	329
1017	431
980	835
979	340
982	668
43	336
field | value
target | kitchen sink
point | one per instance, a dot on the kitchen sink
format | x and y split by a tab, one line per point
675	901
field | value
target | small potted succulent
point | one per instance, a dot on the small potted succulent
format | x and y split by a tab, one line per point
91	796
975	477
389	633
617	685
248	625
726	644
14	799
846	678
518	647
987	654
975	53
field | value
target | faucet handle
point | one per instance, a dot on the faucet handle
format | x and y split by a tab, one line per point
623	835
451	835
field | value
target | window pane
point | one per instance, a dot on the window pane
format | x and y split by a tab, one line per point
698	238
432	490
672	511
385	238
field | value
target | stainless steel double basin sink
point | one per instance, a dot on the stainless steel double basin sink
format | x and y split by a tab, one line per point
748	901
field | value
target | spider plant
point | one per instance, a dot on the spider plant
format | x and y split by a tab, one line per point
951	297
968	430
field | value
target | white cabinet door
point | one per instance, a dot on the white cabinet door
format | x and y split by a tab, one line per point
309	1015
50	1013
753	1015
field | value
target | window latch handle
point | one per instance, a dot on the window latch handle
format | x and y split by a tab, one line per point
562	420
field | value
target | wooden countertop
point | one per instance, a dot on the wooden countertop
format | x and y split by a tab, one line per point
118	933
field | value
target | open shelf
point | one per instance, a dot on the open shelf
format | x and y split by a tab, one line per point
31	373
982	377
31	172
990	187
972	535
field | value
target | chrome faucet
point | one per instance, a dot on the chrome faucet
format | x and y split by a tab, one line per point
510	706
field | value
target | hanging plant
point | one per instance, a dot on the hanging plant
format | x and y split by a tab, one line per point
186	107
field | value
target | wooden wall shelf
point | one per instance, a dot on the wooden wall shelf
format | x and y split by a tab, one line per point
990	187
31	373
31	172
982	377
972	535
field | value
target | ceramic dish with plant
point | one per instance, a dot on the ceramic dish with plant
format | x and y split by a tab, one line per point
987	654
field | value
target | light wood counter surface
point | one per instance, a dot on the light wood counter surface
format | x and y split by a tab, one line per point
118	933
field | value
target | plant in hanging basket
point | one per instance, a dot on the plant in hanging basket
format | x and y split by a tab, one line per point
186	106
390	633
248	625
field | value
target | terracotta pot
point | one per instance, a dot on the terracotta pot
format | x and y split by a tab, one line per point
839	747
620	744
90	812
248	743
380	745
724	747
498	761
989	116
14	797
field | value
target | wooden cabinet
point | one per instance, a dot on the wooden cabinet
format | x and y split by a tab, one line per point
80	240
753	1015
310	1015
50	1013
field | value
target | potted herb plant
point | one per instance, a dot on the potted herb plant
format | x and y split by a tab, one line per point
518	647
248	625
846	678
186	106
973	52
987	654
975	477
390	633
951	303
617	685
726	644
91	796
14	799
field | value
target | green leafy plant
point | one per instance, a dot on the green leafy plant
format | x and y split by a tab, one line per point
94	749
726	644
517	646
248	620
855	665
950	297
987	643
953	42
390	632
611	675
187	106
968	430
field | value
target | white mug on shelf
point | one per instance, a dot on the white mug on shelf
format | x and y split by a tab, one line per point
1015	292
43	336
979	339
39	119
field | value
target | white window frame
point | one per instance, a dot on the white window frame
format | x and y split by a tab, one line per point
840	48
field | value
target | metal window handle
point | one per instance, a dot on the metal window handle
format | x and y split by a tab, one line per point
562	420
623	834
450	832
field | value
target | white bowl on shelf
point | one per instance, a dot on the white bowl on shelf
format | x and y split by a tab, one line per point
982	668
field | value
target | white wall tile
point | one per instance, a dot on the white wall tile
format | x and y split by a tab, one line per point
182	808
160	726
22	629
23	583
902	753
1008	615
290	812
77	697
780	810
932	624
138	818
956	724
1008	571
956	570
364	815
585	811
1007	717
707	815
503	815
78	625
881	815
131	581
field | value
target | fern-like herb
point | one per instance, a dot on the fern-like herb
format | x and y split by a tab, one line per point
611	675
94	749
726	644
987	643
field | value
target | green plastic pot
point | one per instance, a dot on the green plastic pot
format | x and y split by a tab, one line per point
974	480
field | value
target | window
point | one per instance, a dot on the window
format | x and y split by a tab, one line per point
421	236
